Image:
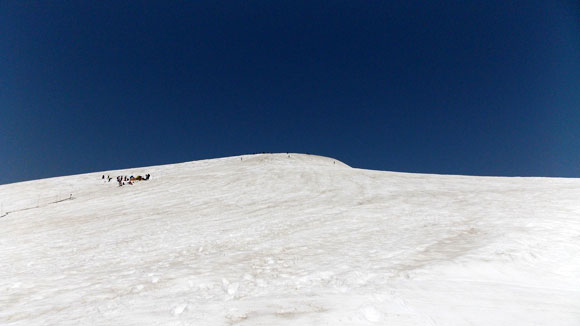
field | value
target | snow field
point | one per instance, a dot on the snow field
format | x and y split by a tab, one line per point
290	239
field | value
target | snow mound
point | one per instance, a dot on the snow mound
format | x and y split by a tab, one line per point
289	239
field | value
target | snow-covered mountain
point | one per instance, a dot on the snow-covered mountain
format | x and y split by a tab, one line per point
289	239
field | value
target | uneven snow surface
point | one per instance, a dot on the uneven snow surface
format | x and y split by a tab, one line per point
289	239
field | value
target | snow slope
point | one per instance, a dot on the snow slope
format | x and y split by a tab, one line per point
289	239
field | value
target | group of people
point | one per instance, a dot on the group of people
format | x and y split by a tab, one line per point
123	179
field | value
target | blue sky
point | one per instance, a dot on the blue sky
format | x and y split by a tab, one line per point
454	87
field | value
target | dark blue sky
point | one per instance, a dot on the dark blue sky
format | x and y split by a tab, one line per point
461	87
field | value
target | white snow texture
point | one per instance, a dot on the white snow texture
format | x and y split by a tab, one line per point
289	239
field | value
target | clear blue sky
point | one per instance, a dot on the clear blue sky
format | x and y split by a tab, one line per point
461	87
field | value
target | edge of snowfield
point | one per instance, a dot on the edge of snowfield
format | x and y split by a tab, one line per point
289	239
